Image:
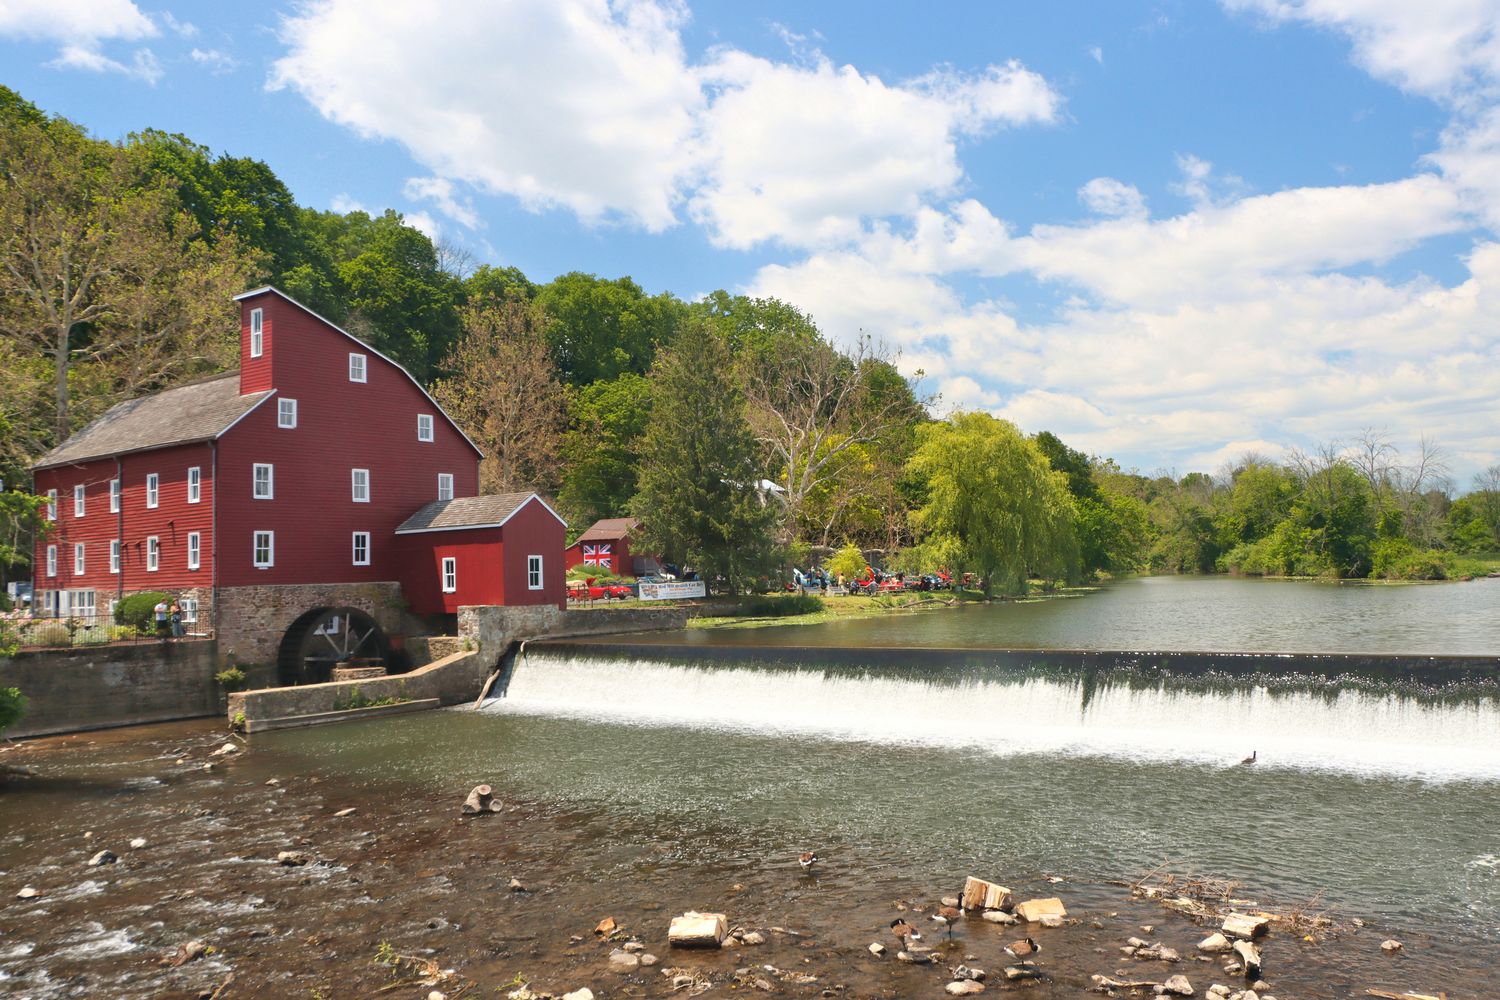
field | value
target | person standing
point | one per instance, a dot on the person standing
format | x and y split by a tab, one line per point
163	618
174	614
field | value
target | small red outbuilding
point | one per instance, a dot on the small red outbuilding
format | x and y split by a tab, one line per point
606	546
504	548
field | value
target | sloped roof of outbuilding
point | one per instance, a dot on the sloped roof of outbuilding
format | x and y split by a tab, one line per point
609	528
490	511
194	411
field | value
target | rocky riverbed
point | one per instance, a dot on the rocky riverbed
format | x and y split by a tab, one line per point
235	876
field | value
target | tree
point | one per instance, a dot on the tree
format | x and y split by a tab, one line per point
995	505
602	449
1114	533
505	395
601	329
698	501
848	562
105	276
1336	511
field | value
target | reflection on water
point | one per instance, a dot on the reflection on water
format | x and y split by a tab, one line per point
1185	612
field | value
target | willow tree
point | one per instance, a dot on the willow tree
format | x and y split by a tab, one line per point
995	506
504	393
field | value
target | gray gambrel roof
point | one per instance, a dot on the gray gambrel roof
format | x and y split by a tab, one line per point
490	511
195	411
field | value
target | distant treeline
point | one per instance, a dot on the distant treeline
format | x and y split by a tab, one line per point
120	260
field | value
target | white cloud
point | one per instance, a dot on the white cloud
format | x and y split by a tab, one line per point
183	29
142	66
424	223
577	103
74	22
1107	196
216	62
440	192
344	203
594	107
80	27
1096	54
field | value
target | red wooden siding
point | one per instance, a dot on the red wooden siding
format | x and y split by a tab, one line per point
533	530
255	373
619	554
170	521
341	426
492	563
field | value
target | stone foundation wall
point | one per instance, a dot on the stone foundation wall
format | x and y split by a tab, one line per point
98	687
252	620
494	628
452	680
425	649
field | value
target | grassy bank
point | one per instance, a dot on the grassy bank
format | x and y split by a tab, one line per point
761	612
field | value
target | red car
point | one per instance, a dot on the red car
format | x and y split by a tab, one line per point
591	590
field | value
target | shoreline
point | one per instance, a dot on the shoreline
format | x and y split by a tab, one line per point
405	875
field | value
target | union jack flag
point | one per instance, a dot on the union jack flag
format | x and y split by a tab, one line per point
597	555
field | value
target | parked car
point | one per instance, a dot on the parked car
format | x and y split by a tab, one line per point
594	590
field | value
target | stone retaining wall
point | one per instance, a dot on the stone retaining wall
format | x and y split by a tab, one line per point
452	680
99	687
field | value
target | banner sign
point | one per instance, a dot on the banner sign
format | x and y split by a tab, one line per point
673	591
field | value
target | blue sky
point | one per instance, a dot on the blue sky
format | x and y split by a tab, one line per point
1171	232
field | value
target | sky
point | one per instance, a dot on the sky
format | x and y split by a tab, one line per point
1170	232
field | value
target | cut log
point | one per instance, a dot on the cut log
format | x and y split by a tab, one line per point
1245	925
981	895
481	800
1405	996
1250	957
1033	910
697	930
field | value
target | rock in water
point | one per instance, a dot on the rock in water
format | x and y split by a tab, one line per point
964	987
185	954
28	892
516	886
293	859
1215	942
998	917
1178	986
876	948
697	930
1014	972
345	812
1244	925
138	843
1250	956
481	800
1033	910
623	960
982	895
1390	945
103	858
583	994
226	750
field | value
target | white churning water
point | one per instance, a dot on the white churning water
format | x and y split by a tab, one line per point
1351	730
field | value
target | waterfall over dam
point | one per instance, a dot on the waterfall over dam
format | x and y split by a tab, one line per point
1434	719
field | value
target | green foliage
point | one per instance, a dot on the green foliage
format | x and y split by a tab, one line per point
595	573
1398	559
602	328
697	499
231	679
995	505
1114	532
12	707
848	562
55	634
139	610
602	449
358	699
781	606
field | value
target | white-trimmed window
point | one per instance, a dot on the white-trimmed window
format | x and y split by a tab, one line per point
78	500
194	549
114	558
257	333
189	607
424	427
153	553
52	560
264	549
263	485
356	368
114	496
52	505
195	484
445	486
153	489
286	413
361	548
533	572
360	484
84	605
450	575
78	559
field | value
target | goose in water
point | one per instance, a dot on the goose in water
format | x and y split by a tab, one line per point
807	859
1022	949
948	916
1251	759
905	932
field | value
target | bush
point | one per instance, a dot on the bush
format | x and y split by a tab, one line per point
139	610
6	604
122	633
848	562
232	679
12	707
1398	559
51	634
581	572
782	606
